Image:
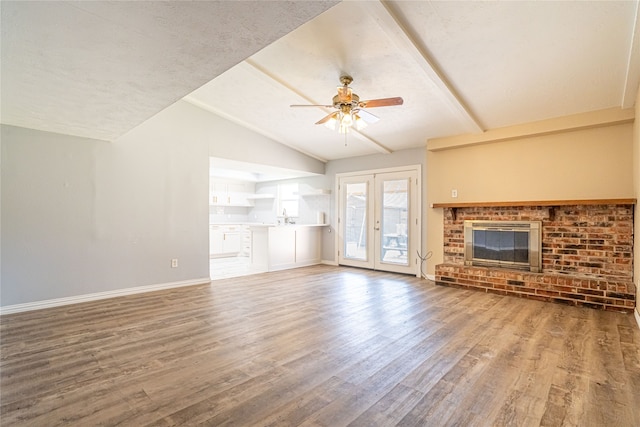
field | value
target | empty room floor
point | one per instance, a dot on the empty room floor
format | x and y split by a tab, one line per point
319	345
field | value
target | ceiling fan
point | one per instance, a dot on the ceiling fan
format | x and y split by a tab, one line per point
350	110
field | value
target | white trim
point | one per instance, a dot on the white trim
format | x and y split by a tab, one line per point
416	213
410	168
431	277
327	262
637	316
37	305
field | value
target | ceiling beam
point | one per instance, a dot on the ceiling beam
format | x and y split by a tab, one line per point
632	79
576	122
197	103
390	21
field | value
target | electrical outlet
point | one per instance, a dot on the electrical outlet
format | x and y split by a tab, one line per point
174	263
454	193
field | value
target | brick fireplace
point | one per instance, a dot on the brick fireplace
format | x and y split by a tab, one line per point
587	253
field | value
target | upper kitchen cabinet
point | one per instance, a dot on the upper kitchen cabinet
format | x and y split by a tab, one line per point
225	192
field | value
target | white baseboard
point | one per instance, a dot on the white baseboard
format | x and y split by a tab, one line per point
637	316
37	305
431	277
326	262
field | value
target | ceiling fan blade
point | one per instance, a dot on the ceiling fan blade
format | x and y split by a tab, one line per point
367	116
311	105
383	102
327	118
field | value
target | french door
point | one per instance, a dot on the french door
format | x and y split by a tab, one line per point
378	220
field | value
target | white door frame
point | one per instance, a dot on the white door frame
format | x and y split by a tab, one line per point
416	234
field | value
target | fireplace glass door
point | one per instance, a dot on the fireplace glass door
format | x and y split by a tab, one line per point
503	246
508	244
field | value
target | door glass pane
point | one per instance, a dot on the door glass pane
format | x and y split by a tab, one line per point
355	227
395	208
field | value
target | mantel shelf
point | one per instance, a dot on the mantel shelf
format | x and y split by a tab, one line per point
536	203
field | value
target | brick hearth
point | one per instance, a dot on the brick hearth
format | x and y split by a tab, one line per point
587	255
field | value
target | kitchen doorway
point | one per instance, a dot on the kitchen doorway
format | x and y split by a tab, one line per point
379	219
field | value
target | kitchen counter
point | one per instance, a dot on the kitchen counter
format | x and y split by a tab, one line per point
260	224
279	247
271	247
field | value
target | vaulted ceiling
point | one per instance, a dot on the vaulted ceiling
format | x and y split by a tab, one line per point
97	69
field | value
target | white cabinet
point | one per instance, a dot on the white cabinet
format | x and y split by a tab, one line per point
246	241
232	242
225	241
293	246
237	194
215	241
282	248
259	257
308	246
218	192
225	192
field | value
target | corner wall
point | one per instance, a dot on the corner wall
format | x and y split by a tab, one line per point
636	191
82	217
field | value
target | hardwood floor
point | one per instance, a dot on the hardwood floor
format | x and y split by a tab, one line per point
320	346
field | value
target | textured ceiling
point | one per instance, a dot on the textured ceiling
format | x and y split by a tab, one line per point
98	69
461	67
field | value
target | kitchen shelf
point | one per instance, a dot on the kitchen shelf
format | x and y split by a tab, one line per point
319	192
260	196
231	205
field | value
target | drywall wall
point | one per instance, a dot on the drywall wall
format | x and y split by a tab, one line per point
414	156
589	163
82	216
636	190
231	141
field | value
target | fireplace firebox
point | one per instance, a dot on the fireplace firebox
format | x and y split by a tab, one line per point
504	244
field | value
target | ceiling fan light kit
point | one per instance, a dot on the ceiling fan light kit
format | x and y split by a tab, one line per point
350	110
343	121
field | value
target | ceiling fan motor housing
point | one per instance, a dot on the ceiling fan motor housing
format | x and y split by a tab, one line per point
339	103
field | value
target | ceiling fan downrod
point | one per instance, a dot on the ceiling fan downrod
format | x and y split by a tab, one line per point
346	79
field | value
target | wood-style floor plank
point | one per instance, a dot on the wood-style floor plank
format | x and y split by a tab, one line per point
319	346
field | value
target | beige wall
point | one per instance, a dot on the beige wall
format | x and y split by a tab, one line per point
551	162
636	189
